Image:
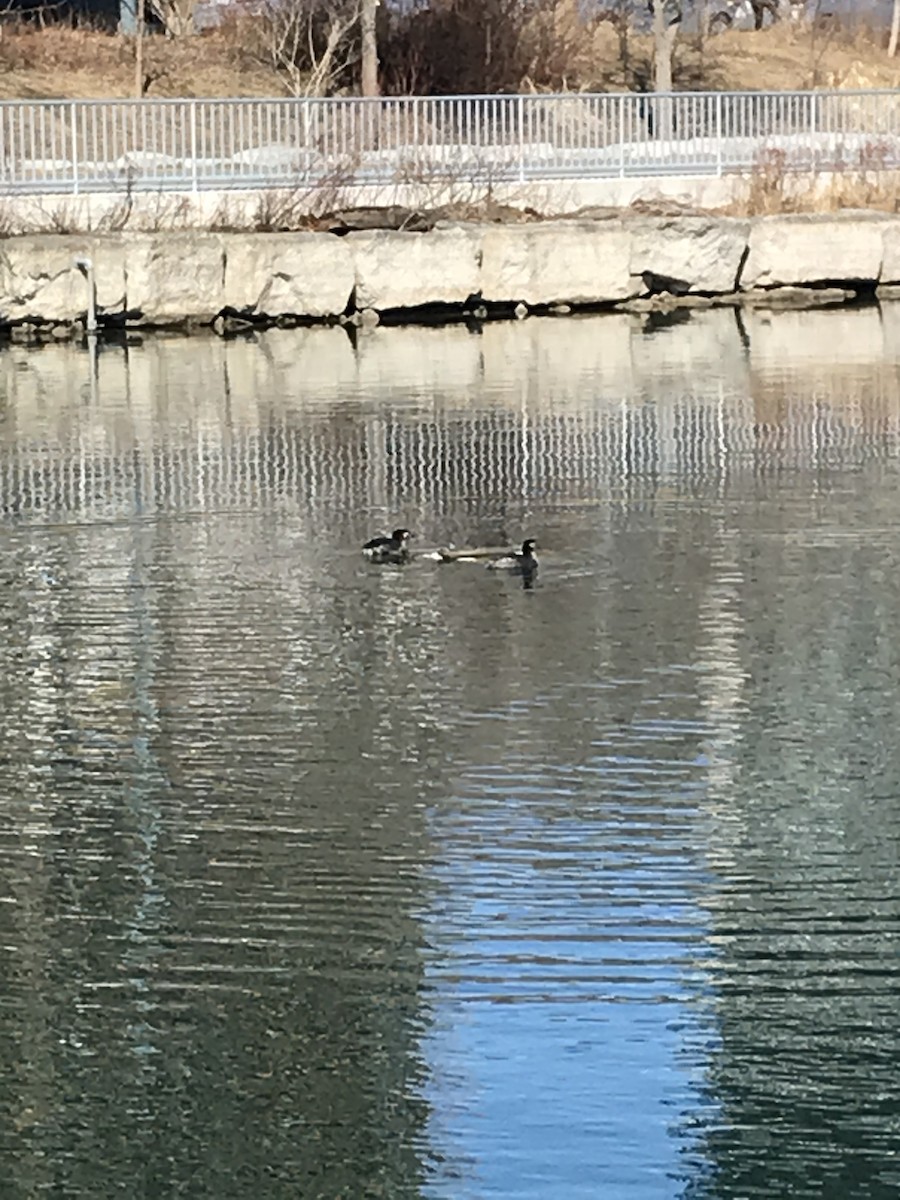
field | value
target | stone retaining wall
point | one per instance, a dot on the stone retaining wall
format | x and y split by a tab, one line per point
166	279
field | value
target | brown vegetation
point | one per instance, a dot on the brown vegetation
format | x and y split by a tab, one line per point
443	46
60	62
864	183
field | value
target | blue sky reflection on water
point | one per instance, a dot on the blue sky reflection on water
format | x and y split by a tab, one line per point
568	1047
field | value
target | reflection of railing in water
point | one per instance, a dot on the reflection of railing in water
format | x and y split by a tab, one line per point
379	458
522	410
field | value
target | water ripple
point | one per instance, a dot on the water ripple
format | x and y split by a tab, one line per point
339	881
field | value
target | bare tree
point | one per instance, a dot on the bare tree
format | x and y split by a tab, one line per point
721	14
369	67
666	19
176	16
310	44
762	9
620	15
895	29
139	49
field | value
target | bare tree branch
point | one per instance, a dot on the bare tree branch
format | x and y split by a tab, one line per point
310	44
177	16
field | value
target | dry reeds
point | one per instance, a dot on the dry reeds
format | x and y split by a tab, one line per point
863	180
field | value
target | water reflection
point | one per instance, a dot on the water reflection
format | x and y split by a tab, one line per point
436	418
329	880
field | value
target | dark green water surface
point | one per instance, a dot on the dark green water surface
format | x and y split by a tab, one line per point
320	879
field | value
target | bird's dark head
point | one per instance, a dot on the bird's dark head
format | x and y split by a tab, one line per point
401	535
528	546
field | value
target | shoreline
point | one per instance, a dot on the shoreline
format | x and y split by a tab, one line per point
452	272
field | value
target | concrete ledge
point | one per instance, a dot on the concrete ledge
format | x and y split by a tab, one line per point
477	269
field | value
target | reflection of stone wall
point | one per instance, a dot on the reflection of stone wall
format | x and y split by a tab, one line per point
574	404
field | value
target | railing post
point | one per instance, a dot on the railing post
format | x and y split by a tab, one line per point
718	133
193	104
521	138
623	100
73	133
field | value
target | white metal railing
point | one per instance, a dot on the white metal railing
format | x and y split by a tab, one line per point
102	145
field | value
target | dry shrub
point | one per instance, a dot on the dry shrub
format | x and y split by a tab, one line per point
472	47
285	210
862	180
564	48
766	184
8	224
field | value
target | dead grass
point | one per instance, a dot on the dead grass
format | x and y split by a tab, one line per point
60	62
786	58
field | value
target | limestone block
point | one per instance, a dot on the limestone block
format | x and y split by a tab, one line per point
288	274
803	250
396	269
40	281
173	276
890	265
688	254
568	262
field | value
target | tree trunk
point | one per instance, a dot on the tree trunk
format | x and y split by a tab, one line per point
664	32
895	29
139	50
705	20
663	43
369	71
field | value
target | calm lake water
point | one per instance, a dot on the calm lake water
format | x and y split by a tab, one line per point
320	879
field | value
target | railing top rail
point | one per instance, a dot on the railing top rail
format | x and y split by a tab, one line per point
341	101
